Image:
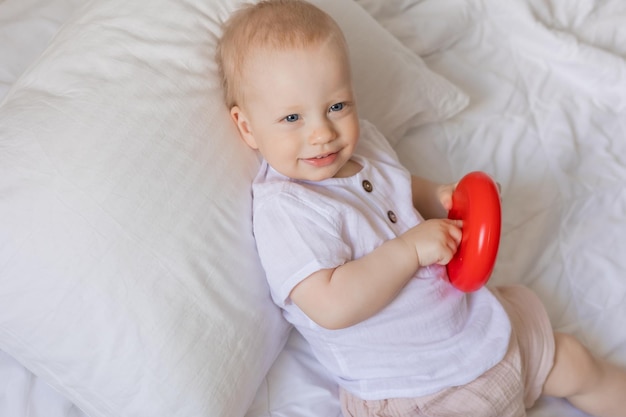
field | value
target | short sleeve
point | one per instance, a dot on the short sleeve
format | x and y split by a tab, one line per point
296	237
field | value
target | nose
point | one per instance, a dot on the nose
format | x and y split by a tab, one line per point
323	132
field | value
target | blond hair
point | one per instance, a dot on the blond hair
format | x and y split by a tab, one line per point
269	25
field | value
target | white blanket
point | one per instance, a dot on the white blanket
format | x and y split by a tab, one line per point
547	118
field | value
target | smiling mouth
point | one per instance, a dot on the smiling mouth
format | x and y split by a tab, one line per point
322	160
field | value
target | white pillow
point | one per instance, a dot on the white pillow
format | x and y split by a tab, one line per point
424	26
129	279
395	89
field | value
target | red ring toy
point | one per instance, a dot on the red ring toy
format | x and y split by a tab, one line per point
476	201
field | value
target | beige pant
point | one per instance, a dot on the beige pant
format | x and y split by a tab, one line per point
506	390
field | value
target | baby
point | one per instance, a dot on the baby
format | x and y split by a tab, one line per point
355	248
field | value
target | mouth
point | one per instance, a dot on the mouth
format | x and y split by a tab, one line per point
322	160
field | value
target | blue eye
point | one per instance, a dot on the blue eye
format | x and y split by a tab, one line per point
336	107
292	118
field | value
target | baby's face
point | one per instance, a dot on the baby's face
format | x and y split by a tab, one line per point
298	110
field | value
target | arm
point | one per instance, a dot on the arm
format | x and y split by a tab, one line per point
344	296
432	200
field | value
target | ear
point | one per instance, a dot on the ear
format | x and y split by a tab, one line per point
243	125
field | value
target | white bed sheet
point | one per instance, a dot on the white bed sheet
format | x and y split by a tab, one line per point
26	28
547	80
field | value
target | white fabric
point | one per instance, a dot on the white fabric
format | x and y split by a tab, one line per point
431	337
129	279
394	88
547	118
425	27
117	286
555	150
26	28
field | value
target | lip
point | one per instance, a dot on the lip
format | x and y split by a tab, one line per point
322	160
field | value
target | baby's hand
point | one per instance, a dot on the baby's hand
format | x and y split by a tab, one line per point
435	240
444	193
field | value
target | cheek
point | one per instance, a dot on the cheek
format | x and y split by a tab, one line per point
281	149
352	129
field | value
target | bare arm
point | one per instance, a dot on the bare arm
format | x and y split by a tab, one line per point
431	199
344	296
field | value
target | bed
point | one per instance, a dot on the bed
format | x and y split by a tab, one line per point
129	283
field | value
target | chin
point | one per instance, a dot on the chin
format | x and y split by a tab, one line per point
319	176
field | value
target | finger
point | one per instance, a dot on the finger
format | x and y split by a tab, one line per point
451	250
457	235
445	258
446	202
455	222
456	243
445	195
448	246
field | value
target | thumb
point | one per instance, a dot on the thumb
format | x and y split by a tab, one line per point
445	195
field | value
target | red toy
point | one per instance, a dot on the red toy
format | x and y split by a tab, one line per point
476	201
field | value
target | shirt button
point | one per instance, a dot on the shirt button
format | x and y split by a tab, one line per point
392	216
367	186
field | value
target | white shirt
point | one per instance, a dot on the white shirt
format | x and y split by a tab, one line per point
431	337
